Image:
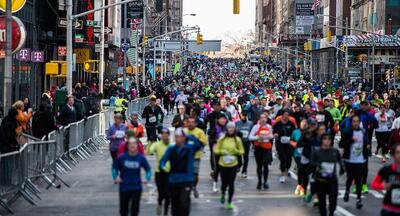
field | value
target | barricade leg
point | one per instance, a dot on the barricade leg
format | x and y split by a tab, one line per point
6	207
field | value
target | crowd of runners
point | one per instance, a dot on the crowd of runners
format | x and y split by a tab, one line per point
232	110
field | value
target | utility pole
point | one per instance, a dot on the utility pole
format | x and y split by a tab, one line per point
125	40
144	45
69	46
137	61
101	69
373	45
7	85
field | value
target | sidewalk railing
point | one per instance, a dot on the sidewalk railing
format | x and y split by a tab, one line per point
20	171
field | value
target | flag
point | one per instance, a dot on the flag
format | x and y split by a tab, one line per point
316	4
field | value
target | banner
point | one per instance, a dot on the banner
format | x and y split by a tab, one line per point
370	40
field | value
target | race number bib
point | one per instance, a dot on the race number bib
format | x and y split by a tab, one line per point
327	169
285	140
396	196
320	118
119	134
152	119
245	133
229	159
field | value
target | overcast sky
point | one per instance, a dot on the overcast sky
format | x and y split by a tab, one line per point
216	18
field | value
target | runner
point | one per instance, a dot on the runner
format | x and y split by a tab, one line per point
243	128
388	179
126	173
116	135
229	148
262	136
283	131
161	176
153	116
323	163
355	145
181	176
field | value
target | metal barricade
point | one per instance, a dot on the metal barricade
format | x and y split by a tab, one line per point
10	178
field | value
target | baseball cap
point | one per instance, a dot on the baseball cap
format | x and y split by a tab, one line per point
320	103
279	98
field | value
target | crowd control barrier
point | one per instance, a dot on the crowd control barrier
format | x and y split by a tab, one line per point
44	161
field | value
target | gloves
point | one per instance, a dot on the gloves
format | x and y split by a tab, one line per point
149	174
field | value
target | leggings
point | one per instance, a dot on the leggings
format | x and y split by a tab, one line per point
382	138
303	175
162	188
132	197
263	159
213	162
228	175
327	188
246	146
180	198
285	153
354	173
389	213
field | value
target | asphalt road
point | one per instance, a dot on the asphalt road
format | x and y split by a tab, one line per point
92	192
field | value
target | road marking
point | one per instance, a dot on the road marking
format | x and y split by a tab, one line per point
343	212
342	192
376	194
293	175
75	184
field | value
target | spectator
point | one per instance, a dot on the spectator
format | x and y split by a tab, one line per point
43	121
8	132
23	118
68	112
79	107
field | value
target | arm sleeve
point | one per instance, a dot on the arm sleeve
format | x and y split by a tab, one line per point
271	135
378	183
240	147
252	135
165	158
217	148
109	134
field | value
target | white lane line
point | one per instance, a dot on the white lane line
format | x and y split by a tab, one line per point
376	194
293	175
342	212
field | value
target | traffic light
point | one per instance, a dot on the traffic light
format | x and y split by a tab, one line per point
199	38
145	40
236	6
306	46
329	36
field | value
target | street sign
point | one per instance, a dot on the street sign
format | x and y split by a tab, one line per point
125	47
78	38
16	5
18	34
135	9
62	51
97	47
107	30
395	60
299	30
77	24
92	23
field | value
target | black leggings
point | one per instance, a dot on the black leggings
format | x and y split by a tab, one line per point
354	173
132	197
180	198
388	213
383	141
228	175
285	153
304	171
246	146
214	163
263	159
327	188
162	188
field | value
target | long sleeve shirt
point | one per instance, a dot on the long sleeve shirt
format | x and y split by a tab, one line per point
116	135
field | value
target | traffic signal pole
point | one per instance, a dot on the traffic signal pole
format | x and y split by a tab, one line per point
7	84
70	19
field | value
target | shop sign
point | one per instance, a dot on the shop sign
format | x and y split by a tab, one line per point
371	40
18	34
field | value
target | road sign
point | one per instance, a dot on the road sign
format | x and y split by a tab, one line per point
107	30
77	24
18	33
125	47
62	51
397	59
92	23
15	6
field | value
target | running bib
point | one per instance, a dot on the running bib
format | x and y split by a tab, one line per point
245	133
320	118
119	134
285	140
396	196
327	169
152	119
229	159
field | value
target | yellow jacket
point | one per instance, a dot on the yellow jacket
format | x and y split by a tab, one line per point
199	134
158	148
229	148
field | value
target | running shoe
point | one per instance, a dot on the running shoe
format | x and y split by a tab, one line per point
307	198
215	187
383	160
266	186
195	193
354	189
302	191
282	179
315	202
297	191
359	204
259	186
365	188
230	206
244	175
346	197
222	199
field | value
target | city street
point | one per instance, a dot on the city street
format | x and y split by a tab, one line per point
92	192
